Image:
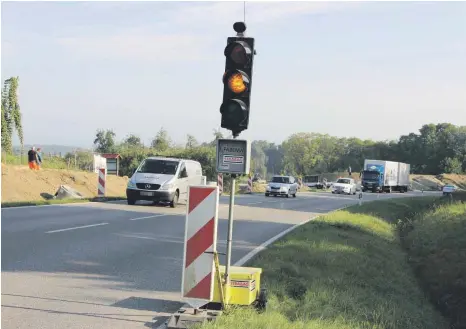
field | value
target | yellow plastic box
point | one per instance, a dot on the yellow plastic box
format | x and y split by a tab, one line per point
245	285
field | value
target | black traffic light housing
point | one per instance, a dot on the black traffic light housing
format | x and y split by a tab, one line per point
237	80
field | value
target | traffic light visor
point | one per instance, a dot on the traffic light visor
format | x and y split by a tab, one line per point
238	52
236	80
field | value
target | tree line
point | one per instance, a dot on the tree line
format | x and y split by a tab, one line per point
434	149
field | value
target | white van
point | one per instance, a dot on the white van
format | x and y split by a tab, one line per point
161	179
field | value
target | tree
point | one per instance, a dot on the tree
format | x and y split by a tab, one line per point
132	141
191	142
451	166
300	153
217	134
105	141
161	142
11	114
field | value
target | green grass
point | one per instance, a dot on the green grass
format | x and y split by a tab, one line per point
436	245
48	163
350	270
62	201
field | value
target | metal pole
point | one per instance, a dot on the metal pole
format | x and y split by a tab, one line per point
229	238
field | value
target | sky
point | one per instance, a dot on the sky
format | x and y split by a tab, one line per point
372	70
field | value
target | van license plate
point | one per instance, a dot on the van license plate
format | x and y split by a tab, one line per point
147	193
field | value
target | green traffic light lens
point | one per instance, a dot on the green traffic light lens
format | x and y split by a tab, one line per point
233	107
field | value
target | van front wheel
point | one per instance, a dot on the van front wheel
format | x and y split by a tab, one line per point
174	202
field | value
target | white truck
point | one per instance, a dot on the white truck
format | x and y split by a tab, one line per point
385	176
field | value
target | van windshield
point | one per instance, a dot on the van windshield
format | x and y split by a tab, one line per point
153	166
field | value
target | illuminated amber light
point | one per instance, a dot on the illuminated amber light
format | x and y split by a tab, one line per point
236	83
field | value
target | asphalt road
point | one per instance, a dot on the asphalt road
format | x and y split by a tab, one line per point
117	266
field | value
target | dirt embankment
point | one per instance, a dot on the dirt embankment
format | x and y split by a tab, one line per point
19	183
431	182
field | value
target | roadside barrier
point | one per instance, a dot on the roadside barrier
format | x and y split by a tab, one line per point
220	183
200	242
101	183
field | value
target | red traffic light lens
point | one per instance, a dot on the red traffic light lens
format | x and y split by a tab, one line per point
238	55
239	52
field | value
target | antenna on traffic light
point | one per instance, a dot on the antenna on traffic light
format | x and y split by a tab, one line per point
237	80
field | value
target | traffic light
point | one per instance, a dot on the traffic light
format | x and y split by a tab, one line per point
237	81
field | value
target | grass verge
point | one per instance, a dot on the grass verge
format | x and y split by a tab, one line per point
62	201
436	245
349	269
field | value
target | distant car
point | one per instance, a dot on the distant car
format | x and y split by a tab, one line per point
448	189
344	186
282	185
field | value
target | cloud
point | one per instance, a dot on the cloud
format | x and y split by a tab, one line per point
139	46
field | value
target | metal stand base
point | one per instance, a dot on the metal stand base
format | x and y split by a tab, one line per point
186	317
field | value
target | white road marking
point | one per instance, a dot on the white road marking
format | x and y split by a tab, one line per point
76	227
155	238
255	202
153	216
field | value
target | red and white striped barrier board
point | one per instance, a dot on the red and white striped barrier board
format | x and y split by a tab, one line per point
197	285
249	184
220	183
101	183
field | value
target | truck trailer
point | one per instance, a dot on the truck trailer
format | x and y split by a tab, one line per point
385	176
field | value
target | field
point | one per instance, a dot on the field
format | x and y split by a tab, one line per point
350	270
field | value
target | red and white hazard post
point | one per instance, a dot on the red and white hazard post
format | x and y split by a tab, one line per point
197	287
101	182
220	183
